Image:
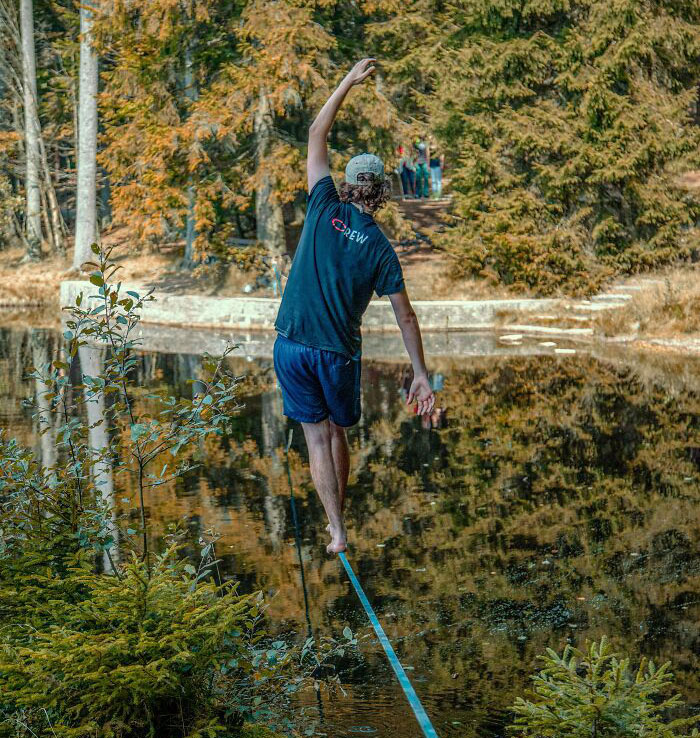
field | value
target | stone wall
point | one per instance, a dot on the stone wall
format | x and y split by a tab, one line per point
258	313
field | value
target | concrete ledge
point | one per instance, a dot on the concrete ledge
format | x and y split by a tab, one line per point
259	313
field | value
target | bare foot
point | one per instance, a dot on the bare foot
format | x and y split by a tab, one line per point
339	540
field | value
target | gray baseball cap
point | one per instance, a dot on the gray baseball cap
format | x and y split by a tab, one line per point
364	164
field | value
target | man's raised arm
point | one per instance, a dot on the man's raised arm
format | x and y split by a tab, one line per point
317	156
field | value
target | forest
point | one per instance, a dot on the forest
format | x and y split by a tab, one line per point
567	128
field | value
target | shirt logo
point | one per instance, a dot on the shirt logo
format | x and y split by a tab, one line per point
351	235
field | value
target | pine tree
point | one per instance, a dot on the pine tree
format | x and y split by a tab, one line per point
162	154
596	693
262	99
567	123
204	112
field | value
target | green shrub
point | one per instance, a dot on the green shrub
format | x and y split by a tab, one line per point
151	652
596	694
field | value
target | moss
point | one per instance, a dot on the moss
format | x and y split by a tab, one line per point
257	731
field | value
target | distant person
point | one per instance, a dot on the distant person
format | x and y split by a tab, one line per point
422	170
437	164
407	172
437	381
342	258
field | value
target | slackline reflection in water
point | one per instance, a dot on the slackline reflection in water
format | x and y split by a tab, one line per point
404	682
342	258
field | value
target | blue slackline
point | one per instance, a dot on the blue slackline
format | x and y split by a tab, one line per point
411	696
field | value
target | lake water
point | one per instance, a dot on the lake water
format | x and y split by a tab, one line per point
558	503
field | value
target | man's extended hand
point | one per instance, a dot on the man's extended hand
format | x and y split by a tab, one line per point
360	71
422	394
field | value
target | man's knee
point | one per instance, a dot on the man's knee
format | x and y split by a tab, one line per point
337	431
317	434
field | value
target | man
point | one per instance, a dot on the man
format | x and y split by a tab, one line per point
422	159
437	164
342	257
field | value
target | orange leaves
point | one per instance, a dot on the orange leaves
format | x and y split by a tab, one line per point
8	141
283	165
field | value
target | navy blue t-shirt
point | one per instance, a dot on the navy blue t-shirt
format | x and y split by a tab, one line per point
342	257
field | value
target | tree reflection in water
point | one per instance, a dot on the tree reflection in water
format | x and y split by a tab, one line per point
559	503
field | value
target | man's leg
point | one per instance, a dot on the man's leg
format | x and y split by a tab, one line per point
323	474
412	182
341	459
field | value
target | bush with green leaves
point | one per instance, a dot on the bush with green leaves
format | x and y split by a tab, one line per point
100	635
157	650
596	694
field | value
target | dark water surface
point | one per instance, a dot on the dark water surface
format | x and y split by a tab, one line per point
559	503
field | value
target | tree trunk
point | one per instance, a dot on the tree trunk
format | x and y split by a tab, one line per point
268	210
40	358
32	133
92	365
105	210
53	210
15	234
45	220
86	213
8	94
74	105
17	125
273	429
191	93
8	233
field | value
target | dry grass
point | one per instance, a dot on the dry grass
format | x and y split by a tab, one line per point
426	275
670	311
661	311
36	284
31	284
44	317
691	180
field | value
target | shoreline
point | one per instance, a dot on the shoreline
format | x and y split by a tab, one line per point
259	313
502	323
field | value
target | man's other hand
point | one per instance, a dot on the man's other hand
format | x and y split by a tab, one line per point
422	394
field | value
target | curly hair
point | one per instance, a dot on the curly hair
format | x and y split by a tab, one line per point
371	194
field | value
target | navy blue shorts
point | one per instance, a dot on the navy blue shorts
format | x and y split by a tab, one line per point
317	384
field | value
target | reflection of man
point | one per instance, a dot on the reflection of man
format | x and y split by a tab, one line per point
341	259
